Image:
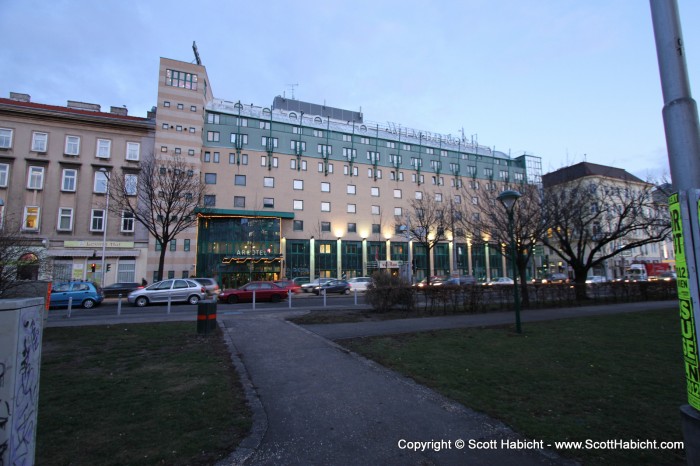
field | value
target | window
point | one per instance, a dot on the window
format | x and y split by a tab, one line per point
35	180
429	151
239	201
298	204
391	145
397	194
325	206
178	128
239	139
186	246
326	226
406	147
298	225
297	146
193	108
325	187
488	172
209	200
458	199
268	202
210	178
298	184
349	153
364	141
68	179
65	219
213	118
166	103
178	150
5	138
293	164
419	195
72	145
347	138
352	228
397	211
4	174
180	106
269	143
241	121
173	246
127	223
376	210
164	148
213	136
264	125
133	150
39	142
131	183
239	180
374	192
30	220
503	174
320	167
181	79
104	148
100	185
318	133
475	200
97	220
352	189
126	270
269	182
376	228
373	156
352	208
325	150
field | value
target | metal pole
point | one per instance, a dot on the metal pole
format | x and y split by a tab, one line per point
104	233
289	298
516	297
119	305
253	299
169	302
70	306
324	297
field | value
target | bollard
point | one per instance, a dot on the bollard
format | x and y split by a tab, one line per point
289	298
355	290
119	305
253	299
206	316
170	299
324	297
70	306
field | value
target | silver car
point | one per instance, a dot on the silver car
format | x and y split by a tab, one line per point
175	290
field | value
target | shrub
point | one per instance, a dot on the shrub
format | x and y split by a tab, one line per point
387	291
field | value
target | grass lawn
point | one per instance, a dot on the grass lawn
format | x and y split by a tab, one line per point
138	394
599	378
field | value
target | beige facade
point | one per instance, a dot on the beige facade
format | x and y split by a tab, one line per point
54	166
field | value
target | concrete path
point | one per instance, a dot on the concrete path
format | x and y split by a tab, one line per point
326	406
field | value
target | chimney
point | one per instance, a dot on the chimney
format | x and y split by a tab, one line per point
20	97
123	111
83	106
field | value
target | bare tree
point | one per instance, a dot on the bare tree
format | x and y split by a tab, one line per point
589	222
21	258
488	217
163	198
425	223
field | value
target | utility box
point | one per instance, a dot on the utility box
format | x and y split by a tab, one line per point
21	331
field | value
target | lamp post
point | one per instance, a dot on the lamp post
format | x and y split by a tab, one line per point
104	231
508	199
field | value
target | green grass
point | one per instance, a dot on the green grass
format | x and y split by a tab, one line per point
138	394
599	378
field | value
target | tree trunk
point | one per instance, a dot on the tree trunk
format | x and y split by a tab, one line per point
580	283
161	262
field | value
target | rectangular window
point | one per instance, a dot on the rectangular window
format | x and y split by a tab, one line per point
209	200
298	225
391	145
5	138
429	151
269	182
318	133
320	167
488	172
373	156
39	142
97	220
364	141
352	208
397	194
35	180
65	219
326	226
458	199
352	228
241	121
325	150
397	211
173	245
69	179
269	143
181	79
213	136
4	174
239	140
239	201
438	197
100	185
213	118
298	146
72	145
268	202
217	156
325	206
186	246
104	148
419	195
347	138
133	151
30	220
376	210
210	178
352	189
264	125
298	184
325	187
131	183
298	204
374	192
127	225
376	228
239	180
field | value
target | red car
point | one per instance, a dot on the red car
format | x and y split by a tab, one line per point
264	291
289	285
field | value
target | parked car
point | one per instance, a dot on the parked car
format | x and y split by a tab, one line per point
595	279
459	281
120	288
500	281
289	285
175	290
264	291
85	294
210	285
555	278
308	287
359	283
433	281
333	286
666	276
301	280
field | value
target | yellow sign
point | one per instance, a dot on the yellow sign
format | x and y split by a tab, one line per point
688	333
98	244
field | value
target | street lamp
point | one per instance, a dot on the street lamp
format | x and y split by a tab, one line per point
104	225
508	199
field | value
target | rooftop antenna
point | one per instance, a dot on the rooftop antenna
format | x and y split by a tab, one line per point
196	53
293	86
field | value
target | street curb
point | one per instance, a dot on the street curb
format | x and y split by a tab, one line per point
250	444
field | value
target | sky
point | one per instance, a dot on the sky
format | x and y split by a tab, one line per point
565	80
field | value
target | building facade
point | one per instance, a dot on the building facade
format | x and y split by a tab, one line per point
55	164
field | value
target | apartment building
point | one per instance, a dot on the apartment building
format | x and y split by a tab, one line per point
55	166
301	189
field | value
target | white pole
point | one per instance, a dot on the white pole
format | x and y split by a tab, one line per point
253	299
70	306
289	298
119	305
104	225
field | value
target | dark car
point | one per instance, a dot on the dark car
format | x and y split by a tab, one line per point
555	278
85	294
120	288
333	286
289	285
309	286
264	291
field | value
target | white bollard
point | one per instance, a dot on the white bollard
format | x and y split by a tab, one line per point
289	298
119	305
324	297
355	290
253	299
170	298
70	306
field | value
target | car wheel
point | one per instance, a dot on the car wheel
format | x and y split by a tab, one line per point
141	301
233	299
347	291
89	303
194	299
275	298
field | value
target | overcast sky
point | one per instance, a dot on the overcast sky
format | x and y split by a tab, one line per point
565	80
